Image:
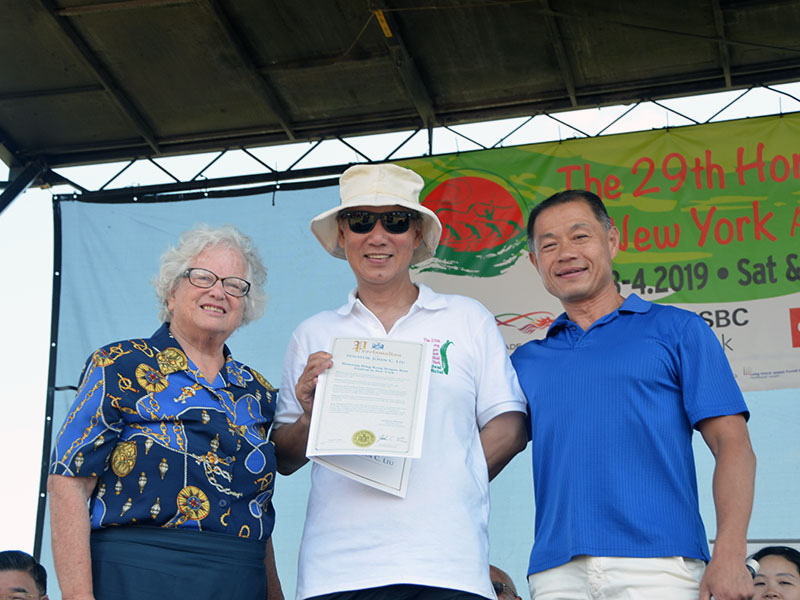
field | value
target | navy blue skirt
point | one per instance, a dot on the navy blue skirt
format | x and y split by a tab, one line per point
150	562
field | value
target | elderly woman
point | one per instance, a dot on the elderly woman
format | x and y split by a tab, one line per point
167	440
778	575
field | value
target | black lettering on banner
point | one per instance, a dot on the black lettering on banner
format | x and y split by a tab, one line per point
792	268
758	273
722	317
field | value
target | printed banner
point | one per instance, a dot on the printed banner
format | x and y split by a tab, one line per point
709	217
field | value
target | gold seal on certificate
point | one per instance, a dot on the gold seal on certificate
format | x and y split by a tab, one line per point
364	438
369	408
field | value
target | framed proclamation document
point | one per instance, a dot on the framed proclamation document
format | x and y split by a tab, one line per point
369	408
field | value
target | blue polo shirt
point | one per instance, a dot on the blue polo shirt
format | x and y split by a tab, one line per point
612	413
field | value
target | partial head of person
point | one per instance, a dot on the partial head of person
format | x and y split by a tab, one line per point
502	584
213	279
380	227
778	575
572	243
21	577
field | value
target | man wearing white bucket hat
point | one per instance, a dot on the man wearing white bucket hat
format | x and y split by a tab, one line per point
360	543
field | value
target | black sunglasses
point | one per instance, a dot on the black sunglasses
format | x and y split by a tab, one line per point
363	221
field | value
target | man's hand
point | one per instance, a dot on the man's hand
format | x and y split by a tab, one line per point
307	384
727	577
290	440
726	580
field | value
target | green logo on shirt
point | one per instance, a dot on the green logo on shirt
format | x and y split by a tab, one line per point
440	363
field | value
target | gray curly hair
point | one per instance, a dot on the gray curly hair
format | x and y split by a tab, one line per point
176	260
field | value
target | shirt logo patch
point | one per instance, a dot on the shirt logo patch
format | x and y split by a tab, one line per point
440	363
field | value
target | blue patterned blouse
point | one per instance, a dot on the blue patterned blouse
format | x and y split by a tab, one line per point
169	448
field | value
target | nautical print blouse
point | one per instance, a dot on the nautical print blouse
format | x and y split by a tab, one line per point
169	448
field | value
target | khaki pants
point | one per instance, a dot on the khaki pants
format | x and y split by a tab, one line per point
619	578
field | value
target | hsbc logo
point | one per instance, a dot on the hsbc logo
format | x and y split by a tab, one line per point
737	317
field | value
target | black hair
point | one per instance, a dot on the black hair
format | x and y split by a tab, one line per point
590	198
790	554
16	560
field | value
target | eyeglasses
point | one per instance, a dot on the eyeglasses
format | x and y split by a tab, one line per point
362	221
500	588
203	278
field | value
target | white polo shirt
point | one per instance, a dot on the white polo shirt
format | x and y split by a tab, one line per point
357	537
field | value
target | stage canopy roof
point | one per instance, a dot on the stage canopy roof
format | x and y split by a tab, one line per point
91	81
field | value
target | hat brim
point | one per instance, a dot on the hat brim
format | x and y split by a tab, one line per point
325	226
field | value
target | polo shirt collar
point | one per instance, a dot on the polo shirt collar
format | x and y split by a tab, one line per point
348	306
635	304
632	304
426	299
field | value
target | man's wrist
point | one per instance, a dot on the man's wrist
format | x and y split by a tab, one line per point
730	550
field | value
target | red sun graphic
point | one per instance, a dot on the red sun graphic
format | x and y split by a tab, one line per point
476	213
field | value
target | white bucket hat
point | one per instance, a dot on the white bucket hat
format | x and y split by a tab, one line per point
379	185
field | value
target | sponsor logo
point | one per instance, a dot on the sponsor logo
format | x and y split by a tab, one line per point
528	323
723	317
483	227
794	320
476	213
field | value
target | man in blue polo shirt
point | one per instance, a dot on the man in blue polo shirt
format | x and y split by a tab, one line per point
615	390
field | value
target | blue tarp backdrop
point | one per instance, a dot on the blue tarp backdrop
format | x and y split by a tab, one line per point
110	254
